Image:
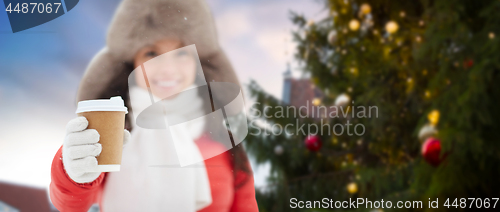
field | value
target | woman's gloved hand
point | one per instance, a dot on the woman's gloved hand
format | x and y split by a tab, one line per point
80	149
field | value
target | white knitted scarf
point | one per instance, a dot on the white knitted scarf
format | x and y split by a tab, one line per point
151	178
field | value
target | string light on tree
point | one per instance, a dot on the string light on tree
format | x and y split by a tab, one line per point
365	9
335	141
278	150
354	25
359	142
343	10
354	71
352	188
491	35
316	101
402	14
391	27
418	39
427	94
410	85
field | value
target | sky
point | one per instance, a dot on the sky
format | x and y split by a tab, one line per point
40	70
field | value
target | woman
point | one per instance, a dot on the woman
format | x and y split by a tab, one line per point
140	33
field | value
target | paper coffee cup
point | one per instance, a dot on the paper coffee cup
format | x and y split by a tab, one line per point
107	116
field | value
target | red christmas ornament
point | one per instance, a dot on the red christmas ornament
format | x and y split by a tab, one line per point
431	150
468	63
313	143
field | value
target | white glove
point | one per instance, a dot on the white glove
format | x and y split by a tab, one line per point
80	149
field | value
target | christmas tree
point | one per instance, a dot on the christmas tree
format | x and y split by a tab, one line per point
431	70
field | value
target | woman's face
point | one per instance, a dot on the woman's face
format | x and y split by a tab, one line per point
167	74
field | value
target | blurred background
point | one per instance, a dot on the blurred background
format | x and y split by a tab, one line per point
430	67
40	69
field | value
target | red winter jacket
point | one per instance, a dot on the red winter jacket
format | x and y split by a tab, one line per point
68	195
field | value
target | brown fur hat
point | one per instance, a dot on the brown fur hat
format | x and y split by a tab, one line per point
140	23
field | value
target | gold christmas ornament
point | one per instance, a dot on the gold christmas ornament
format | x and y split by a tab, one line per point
316	101
391	27
352	188
354	25
365	9
433	117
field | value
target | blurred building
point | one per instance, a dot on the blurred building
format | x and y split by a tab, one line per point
302	93
20	198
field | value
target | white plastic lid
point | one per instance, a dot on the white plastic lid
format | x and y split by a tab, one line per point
113	104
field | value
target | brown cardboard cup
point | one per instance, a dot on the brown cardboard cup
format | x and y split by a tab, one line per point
107	116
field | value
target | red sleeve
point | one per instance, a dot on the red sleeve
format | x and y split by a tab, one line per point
68	195
244	195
